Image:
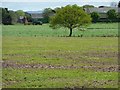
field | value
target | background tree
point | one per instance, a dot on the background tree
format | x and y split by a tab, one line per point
70	17
0	15
119	4
4	15
56	9
112	15
13	17
6	19
95	16
47	12
28	16
88	6
20	13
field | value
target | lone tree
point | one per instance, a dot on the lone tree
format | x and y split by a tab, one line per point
70	16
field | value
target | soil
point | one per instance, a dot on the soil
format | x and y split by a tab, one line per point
15	64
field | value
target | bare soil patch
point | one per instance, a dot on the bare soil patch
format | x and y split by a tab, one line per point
14	64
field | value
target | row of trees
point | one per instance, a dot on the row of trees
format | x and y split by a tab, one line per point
13	17
9	17
112	15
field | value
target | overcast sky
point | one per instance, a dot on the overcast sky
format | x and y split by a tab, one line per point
36	5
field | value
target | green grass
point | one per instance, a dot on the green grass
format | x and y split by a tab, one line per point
67	62
62	51
47	78
94	30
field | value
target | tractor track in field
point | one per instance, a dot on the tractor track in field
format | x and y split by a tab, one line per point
14	64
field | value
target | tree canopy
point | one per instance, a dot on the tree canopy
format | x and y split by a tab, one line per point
28	16
70	16
88	6
112	14
95	16
47	12
20	13
13	17
6	18
10	17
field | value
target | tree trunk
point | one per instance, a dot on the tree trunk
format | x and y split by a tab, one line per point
70	32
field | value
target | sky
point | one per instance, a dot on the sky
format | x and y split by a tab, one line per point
36	5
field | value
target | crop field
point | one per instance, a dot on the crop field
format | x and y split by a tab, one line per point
39	57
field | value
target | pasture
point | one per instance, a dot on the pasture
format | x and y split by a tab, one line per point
39	57
94	30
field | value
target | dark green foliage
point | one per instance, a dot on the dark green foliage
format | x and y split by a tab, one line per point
119	4
56	9
47	13
0	15
36	22
20	16
70	16
95	16
6	18
112	15
88	6
28	16
13	17
20	13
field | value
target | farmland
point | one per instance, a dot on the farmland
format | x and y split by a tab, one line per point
94	30
39	57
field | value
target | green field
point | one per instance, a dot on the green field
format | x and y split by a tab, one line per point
35	57
93	30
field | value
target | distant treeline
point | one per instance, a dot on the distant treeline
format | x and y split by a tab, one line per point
10	17
109	16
